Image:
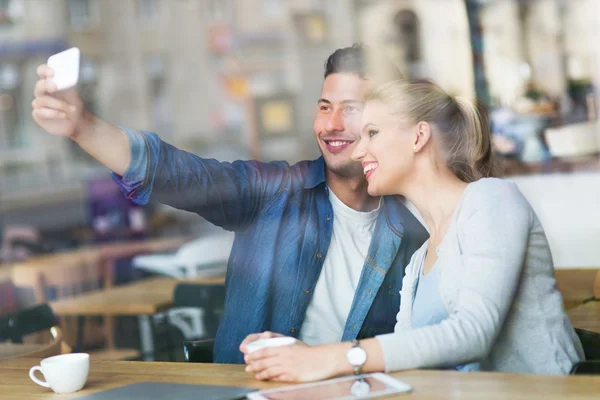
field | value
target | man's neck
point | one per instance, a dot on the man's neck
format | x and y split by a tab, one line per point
352	192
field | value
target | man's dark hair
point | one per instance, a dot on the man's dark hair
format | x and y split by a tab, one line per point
355	60
349	60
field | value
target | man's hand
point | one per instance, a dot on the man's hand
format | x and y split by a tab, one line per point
63	114
59	113
257	336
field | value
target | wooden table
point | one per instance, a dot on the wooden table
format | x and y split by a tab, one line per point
105	375
141	298
586	316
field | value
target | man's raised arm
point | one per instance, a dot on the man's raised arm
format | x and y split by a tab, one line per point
63	114
229	195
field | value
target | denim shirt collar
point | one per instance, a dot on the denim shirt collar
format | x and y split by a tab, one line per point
316	174
393	209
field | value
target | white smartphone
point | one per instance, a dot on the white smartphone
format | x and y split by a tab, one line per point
345	388
66	68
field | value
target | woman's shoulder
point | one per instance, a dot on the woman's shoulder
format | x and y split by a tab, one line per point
495	191
498	194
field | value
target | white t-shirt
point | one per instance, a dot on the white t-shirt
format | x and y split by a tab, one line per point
330	305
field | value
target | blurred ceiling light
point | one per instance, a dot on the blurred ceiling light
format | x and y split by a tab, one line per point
9	76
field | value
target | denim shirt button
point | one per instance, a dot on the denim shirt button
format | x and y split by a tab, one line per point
319	256
306	291
292	330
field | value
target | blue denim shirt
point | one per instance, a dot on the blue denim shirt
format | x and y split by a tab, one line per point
283	222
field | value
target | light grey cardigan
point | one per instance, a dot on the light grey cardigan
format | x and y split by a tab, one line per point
497	284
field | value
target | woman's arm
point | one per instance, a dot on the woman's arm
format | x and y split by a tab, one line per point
302	363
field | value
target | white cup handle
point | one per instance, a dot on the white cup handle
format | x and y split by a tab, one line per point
36	380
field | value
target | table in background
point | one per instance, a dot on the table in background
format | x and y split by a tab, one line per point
36	271
142	298
426	384
104	255
577	284
586	316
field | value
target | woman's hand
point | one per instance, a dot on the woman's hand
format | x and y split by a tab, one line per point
257	336
294	363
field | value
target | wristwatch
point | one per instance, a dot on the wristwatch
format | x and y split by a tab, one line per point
357	357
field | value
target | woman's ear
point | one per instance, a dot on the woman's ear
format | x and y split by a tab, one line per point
423	134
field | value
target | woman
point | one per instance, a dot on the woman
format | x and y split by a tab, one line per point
481	290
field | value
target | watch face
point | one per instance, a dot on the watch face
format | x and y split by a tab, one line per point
357	356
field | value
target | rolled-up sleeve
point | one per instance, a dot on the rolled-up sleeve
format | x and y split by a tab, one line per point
229	195
136	183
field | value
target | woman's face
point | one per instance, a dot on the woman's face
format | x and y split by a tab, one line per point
385	149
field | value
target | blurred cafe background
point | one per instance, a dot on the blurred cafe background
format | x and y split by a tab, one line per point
239	79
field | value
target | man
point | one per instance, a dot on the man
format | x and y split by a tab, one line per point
303	263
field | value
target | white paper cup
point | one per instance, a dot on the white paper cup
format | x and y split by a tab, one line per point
272	342
66	373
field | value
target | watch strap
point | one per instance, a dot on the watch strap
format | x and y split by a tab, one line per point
356	369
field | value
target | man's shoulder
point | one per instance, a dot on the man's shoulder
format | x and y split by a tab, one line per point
306	174
307	165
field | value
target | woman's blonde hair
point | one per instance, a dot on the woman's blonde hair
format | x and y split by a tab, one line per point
458	124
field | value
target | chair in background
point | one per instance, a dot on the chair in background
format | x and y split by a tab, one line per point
75	276
199	351
54	348
19	326
591	348
209	298
212	299
206	256
16	326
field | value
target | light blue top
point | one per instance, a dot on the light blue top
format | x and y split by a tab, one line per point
428	307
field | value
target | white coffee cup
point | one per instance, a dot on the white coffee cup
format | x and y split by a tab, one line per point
66	373
271	342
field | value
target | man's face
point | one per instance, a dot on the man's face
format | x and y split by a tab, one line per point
338	123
